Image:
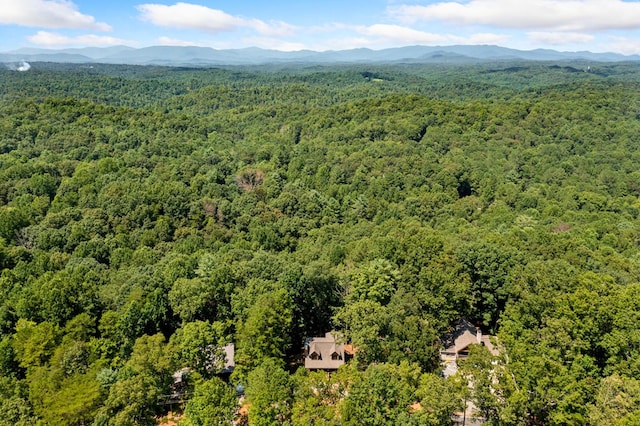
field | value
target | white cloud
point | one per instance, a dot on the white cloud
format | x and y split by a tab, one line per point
624	45
403	34
400	36
560	38
193	16
168	41
45	38
47	14
555	15
485	38
329	28
185	15
273	28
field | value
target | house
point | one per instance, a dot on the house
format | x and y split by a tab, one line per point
456	344
229	358
180	388
180	377
324	353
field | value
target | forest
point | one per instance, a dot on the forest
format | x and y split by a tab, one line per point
151	215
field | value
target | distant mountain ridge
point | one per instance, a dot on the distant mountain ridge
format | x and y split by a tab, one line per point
203	56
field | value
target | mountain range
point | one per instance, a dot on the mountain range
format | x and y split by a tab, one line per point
204	56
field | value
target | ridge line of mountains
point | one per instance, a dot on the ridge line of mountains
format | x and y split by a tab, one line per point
203	56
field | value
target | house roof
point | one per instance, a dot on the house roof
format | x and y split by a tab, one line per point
460	328
323	353
465	334
229	358
349	349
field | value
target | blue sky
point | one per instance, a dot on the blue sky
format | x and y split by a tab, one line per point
566	25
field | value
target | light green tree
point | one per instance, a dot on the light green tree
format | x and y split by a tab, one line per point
213	403
269	392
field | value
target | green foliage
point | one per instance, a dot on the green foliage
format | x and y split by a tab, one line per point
134	397
12	220
616	401
131	401
364	324
438	399
486	383
263	335
15	405
318	396
213	402
269	392
375	282
206	296
70	400
383	396
198	206
488	266
34	343
198	345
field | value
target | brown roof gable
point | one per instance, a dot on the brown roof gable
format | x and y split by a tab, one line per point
323	353
463	335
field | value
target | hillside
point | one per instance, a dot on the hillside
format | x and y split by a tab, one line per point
151	215
205	56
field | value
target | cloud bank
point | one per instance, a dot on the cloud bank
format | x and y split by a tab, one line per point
597	25
405	35
45	38
197	17
552	15
47	14
560	38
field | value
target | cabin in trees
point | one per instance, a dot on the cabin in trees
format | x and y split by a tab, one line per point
227	367
229	359
324	353
180	383
456	344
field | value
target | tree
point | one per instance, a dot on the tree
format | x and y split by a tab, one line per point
376	281
131	401
213	403
439	398
364	324
206	297
14	403
270	394
318	396
315	295
198	345
133	398
189	298
34	343
70	400
264	334
384	395
413	339
616	402
11	221
488	266
483	378
65	390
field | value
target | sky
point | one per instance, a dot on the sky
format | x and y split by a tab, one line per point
564	25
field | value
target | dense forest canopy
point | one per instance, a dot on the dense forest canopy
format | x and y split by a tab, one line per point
150	215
